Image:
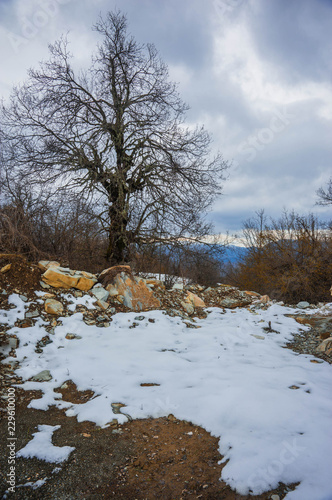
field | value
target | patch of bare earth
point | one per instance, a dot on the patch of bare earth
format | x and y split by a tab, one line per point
162	458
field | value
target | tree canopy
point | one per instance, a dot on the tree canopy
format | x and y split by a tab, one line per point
115	132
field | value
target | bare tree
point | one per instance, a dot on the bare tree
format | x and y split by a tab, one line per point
325	196
116	130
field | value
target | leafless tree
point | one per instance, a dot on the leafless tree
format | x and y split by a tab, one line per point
115	131
325	195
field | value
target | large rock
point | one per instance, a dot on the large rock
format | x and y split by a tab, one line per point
131	290
60	277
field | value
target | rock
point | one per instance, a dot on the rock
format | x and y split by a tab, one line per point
53	306
195	300
325	346
44	285
265	299
13	343
188	307
100	293
102	304
24	298
177	286
46	264
253	294
60	277
71	336
32	314
44	376
275	497
155	284
303	305
230	303
6	268
131	291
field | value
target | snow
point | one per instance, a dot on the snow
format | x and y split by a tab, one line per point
41	447
219	376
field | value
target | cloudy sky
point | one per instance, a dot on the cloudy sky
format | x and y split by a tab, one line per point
256	73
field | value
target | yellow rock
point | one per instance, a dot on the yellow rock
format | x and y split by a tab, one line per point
54	277
5	268
85	284
53	307
194	300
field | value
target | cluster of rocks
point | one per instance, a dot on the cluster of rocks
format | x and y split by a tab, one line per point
117	289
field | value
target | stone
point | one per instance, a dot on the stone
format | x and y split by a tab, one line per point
252	294
195	300
265	299
71	336
60	277
6	268
230	303
303	305
177	286
46	264
260	337
154	283
44	285
102	304
44	376
131	291
53	306
275	497
13	343
188	307
100	293
32	314
325	346
24	298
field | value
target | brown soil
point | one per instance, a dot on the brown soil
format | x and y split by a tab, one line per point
22	275
145	459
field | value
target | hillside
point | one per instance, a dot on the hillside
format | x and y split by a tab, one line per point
155	393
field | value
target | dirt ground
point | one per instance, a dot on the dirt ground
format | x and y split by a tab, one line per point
144	459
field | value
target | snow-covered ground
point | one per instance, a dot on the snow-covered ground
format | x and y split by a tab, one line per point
270	406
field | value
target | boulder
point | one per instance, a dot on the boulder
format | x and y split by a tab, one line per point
53	306
60	277
130	290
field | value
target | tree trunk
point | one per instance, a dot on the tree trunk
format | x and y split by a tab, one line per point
118	242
